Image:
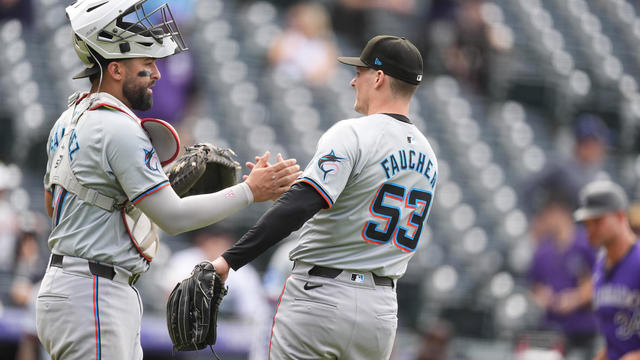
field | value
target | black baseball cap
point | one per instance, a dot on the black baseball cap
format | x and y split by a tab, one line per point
395	56
599	198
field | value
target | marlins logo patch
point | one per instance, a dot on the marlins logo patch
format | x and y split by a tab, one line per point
151	159
329	164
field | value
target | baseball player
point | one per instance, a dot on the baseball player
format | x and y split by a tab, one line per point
603	209
363	200
100	162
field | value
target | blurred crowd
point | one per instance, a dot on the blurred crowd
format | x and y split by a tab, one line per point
457	40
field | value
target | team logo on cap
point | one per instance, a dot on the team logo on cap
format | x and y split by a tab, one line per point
329	163
378	62
151	159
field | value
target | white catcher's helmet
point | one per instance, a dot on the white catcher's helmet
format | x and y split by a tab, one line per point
122	29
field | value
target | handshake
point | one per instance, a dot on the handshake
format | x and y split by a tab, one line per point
206	168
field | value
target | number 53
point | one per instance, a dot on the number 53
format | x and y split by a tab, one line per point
392	214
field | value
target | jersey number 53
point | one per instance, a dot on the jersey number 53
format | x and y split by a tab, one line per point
417	201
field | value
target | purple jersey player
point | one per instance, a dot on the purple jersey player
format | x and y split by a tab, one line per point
616	282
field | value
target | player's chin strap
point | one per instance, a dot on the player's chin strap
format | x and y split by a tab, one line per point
141	230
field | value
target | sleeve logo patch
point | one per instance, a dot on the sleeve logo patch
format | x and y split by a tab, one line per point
329	163
151	159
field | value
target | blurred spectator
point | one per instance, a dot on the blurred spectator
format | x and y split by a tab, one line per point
435	341
8	229
468	58
359	20
603	210
458	42
28	268
245	302
563	178
10	178
29	347
16	9
560	275
634	217
306	49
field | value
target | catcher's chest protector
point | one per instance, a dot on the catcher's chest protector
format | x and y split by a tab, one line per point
142	231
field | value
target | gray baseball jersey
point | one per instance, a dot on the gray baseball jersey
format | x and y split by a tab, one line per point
110	153
378	175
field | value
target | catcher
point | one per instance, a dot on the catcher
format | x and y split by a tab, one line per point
106	191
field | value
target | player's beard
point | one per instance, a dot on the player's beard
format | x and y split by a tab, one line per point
137	95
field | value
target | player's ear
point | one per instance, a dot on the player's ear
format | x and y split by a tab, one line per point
380	79
116	70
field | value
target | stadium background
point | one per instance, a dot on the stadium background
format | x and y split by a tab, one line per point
532	68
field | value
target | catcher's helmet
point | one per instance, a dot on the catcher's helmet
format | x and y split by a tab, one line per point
120	29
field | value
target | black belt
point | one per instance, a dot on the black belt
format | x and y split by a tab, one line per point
102	270
333	273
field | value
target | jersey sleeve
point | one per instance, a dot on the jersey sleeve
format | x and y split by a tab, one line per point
131	156
55	136
332	163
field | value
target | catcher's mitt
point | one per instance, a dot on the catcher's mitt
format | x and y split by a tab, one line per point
192	308
204	168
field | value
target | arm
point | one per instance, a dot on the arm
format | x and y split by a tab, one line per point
176	215
48	202
542	295
572	299
602	354
288	214
634	355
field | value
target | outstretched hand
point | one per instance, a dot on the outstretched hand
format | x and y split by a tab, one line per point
268	182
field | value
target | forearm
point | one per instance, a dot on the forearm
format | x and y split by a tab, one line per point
175	215
602	354
48	202
288	214
585	291
634	355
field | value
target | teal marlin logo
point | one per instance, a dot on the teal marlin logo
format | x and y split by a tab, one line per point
329	163
377	62
151	159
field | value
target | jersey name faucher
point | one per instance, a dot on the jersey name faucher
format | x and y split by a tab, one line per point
409	160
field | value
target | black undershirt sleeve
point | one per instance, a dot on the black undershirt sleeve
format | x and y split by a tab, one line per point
287	215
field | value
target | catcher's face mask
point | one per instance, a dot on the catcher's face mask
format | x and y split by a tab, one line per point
122	29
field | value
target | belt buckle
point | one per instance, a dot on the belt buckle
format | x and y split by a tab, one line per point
133	279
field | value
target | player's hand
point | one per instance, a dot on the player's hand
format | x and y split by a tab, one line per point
634	355
222	267
566	302
268	182
543	296
251	165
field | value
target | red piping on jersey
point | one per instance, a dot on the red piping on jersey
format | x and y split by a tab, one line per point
135	244
313	185
96	317
82	97
274	315
151	191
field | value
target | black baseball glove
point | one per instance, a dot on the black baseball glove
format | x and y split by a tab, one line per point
204	168
192	308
